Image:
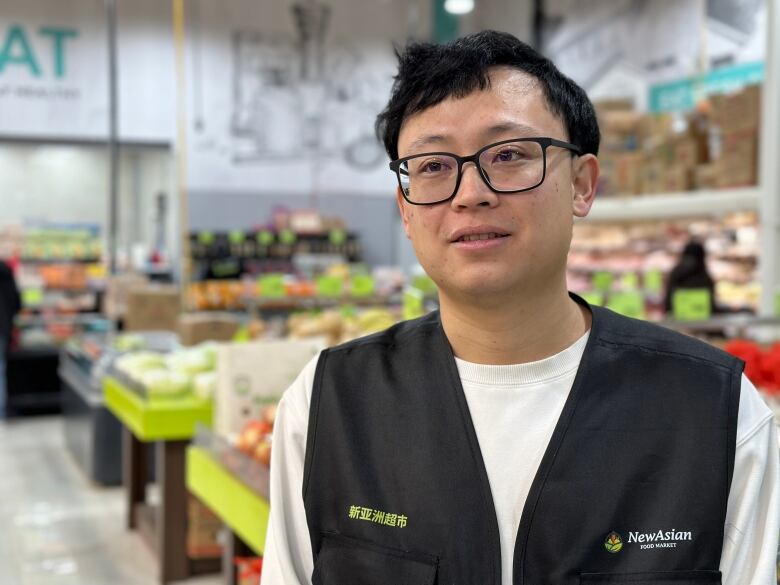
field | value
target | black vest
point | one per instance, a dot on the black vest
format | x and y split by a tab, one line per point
632	489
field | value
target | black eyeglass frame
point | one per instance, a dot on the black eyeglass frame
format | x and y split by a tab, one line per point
543	141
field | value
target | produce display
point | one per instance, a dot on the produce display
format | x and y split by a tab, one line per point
339	326
182	372
762	364
639	255
255	437
334	285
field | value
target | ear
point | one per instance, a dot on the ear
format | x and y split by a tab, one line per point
403	208
585	176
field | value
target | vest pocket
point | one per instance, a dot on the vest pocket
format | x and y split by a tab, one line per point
653	578
348	561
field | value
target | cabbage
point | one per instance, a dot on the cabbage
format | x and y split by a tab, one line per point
160	383
135	364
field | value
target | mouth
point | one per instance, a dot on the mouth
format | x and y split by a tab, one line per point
477	234
477	237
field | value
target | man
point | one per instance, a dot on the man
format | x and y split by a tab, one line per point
9	306
517	435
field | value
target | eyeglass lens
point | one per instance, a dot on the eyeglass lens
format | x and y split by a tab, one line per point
506	167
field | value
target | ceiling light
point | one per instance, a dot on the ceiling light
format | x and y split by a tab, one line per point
458	6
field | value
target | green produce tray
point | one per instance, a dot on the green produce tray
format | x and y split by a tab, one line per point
244	511
162	420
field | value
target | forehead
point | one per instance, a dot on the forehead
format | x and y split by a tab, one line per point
514	105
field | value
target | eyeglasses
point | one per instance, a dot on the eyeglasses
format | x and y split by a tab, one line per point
509	166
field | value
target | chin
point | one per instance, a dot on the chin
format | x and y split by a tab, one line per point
481	290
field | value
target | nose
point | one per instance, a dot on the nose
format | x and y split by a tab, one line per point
473	191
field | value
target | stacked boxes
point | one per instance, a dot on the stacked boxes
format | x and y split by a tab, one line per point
153	308
713	147
195	328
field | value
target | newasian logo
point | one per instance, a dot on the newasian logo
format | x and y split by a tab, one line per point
659	539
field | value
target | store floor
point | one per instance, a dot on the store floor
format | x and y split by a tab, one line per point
56	527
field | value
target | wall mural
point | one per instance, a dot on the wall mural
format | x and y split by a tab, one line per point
278	114
294	112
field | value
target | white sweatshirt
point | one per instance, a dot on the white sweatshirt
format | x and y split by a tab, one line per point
531	397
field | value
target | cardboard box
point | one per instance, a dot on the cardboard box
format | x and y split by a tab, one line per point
738	164
196	328
251	375
203	528
677	178
627	175
689	150
652	176
153	308
706	176
118	288
655	129
737	112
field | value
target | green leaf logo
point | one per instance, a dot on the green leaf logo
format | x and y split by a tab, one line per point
613	543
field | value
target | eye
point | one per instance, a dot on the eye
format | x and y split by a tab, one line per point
512	154
432	166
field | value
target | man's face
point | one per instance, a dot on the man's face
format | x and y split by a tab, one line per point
536	225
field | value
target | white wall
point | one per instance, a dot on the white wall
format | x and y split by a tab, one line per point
69	184
512	16
258	120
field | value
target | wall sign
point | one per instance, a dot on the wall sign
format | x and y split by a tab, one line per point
17	50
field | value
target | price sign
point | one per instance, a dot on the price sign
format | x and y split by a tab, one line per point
412	303
236	237
654	281
206	238
265	238
288	237
692	305
337	237
602	281
330	286
272	286
362	285
593	298
631	304
32	297
630	281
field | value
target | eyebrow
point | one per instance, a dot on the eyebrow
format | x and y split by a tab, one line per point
426	140
523	130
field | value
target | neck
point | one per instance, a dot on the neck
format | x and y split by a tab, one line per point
532	329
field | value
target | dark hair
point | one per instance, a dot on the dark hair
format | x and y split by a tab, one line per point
690	272
429	74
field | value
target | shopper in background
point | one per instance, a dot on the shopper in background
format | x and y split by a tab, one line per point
690	273
517	435
10	304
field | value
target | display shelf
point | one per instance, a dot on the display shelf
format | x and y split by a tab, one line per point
36	317
318	302
739	323
675	205
162	420
38	261
243	510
